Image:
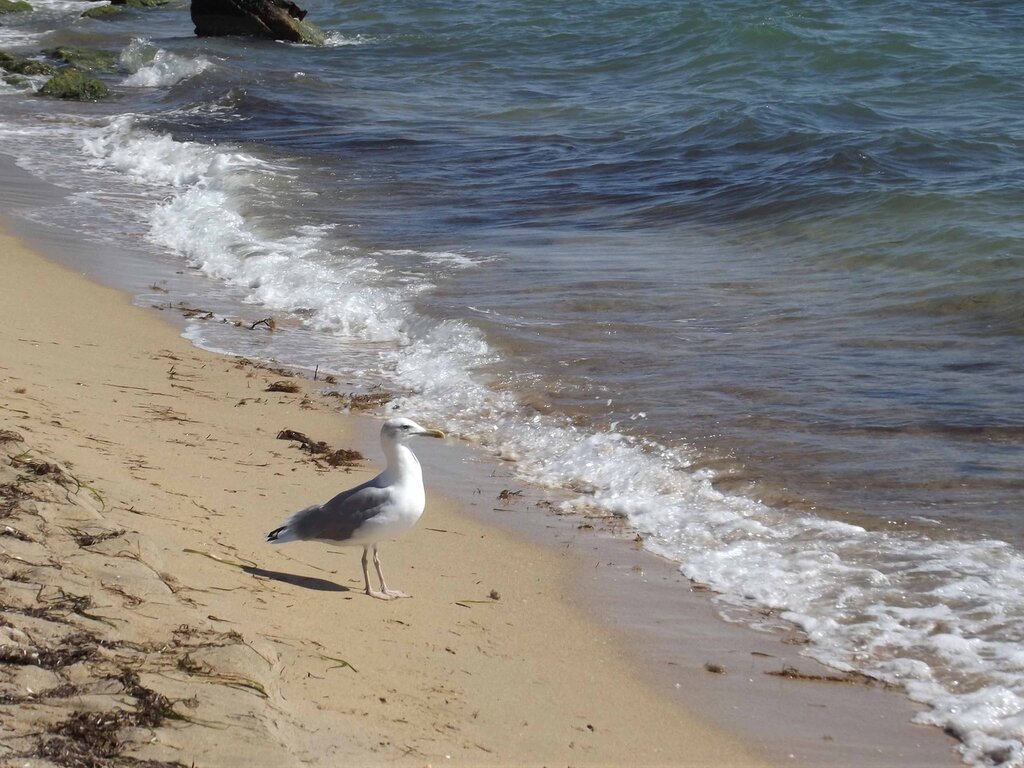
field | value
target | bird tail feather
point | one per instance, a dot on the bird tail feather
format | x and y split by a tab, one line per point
281	535
287	531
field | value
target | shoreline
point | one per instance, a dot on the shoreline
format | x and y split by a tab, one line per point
752	683
660	727
179	447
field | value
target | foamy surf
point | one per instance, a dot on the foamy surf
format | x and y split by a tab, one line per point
942	619
61	7
43	12
153	67
336	39
203	221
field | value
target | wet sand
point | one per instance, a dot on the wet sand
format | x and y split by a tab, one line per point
755	685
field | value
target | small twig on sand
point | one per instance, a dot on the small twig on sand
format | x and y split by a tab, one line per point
221	560
792	673
341	663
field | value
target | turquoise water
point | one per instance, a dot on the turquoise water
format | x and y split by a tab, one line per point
749	274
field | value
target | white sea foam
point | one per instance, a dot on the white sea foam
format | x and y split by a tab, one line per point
24	84
943	618
153	67
203	220
62	6
16	37
336	39
449	259
42	10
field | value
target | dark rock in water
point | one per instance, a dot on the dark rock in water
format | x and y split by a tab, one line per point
272	19
116	6
71	83
19	65
11	6
101	11
87	59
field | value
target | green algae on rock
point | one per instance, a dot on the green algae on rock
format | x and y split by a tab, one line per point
117	6
102	12
86	59
310	33
13	6
19	65
71	83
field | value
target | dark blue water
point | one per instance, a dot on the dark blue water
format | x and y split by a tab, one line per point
750	274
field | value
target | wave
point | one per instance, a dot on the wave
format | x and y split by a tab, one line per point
154	67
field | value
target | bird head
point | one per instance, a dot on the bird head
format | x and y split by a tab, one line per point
401	429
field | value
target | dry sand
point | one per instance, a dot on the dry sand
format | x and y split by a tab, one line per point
143	616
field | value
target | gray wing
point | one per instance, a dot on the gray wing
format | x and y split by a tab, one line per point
339	518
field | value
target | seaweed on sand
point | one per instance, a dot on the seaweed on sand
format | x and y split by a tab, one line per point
87	539
93	739
363	402
335	457
79	646
151	708
62	605
63	691
792	673
10	495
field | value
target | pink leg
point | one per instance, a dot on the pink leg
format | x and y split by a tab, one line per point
380	574
366	576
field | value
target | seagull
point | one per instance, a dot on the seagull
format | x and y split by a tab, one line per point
379	509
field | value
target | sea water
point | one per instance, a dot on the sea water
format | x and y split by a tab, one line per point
747	274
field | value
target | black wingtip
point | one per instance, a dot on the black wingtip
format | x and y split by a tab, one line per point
272	536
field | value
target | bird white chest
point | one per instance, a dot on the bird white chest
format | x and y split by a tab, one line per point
404	478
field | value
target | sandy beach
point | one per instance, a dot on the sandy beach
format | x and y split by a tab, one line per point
144	618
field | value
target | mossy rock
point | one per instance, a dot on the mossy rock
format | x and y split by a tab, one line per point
12	6
310	34
103	11
270	19
116	6
19	65
15	80
88	59
71	83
